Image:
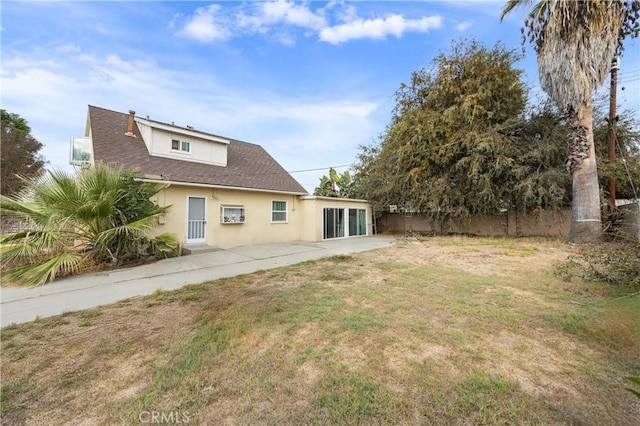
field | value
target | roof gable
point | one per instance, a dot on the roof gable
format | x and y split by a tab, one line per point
249	166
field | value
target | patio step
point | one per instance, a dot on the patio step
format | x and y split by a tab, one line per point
198	249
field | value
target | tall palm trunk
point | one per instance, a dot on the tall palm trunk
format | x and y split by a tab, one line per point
586	226
575	42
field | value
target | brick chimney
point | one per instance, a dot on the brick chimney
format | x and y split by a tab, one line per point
132	114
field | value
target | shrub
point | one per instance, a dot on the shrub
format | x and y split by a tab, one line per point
615	262
75	222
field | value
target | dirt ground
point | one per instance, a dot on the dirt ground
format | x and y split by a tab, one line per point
96	366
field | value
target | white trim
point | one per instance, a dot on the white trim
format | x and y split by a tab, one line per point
186	222
182	131
347	200
205	185
286	211
240	220
91	160
179	150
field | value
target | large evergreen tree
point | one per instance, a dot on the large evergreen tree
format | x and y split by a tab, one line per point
457	144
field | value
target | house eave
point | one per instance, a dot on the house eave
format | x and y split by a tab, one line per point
213	186
318	197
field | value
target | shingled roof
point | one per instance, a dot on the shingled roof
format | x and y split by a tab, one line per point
249	166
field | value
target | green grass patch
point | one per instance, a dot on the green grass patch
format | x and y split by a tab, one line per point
485	399
363	320
177	374
10	393
14	350
87	316
612	323
51	322
353	398
392	266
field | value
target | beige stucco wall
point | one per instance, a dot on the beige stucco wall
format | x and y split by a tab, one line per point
304	215
312	208
257	228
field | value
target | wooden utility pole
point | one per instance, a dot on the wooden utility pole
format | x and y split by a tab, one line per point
611	134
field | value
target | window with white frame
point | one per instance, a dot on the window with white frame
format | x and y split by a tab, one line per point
182	146
279	211
232	214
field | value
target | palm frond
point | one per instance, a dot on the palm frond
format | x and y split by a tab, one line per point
68	213
138	229
25	211
47	270
32	245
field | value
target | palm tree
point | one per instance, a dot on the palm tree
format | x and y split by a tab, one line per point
575	42
74	221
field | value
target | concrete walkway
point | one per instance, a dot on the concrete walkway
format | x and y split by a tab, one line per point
24	304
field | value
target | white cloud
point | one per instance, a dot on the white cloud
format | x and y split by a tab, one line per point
68	48
378	28
281	18
206	25
116	62
325	128
462	26
290	13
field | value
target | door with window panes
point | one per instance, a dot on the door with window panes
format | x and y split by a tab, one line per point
196	220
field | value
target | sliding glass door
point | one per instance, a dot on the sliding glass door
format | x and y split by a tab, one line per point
357	222
333	223
338	220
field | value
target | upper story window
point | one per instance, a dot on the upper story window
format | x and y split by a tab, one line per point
181	146
278	211
81	151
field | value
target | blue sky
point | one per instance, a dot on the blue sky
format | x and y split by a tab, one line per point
309	81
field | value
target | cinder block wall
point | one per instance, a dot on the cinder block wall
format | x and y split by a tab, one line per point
513	223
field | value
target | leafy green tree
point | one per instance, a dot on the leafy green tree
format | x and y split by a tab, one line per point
456	144
575	42
543	182
18	153
335	185
79	221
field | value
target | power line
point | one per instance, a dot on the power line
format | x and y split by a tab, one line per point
318	169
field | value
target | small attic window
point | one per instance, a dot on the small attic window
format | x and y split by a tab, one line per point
182	146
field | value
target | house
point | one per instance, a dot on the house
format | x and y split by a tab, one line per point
223	192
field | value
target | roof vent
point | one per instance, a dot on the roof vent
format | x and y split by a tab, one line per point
132	115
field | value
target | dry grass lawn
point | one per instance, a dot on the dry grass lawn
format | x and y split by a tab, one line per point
447	330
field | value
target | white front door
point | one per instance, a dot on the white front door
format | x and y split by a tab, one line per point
196	220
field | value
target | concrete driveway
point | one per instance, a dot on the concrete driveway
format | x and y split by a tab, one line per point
24	304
